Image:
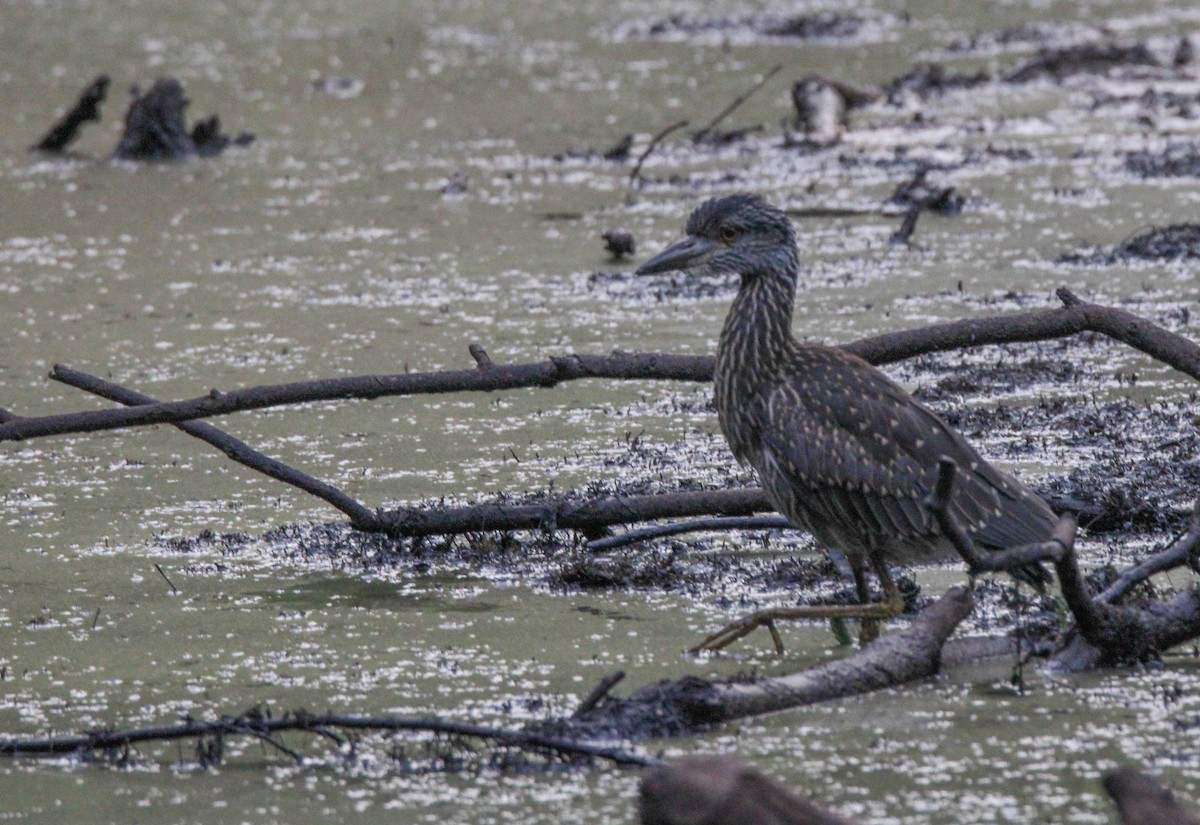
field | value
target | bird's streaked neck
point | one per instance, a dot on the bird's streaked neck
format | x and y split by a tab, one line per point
758	330
755	340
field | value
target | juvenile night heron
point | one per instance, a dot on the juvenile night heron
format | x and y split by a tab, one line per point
841	450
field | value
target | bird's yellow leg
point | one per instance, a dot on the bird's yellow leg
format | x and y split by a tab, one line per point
767	618
869	613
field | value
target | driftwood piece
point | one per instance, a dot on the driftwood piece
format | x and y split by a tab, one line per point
721	790
1142	800
155	128
636	172
154	125
66	130
546	373
1074	317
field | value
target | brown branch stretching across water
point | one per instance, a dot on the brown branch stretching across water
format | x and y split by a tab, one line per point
1076	316
493	377
736	104
256	724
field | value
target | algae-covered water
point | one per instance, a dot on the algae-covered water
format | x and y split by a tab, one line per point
328	247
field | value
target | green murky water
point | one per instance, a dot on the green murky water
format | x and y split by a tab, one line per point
327	248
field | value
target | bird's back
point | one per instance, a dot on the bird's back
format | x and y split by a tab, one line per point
848	454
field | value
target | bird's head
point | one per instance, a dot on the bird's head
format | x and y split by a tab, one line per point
735	233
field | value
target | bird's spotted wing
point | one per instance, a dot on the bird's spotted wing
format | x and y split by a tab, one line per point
865	453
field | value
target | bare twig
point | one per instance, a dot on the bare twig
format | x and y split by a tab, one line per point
587	516
599	692
656	531
171	584
706	131
1182	551
654	141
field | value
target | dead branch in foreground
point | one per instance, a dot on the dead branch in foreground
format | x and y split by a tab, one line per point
1106	633
257	724
1142	800
1073	317
722	790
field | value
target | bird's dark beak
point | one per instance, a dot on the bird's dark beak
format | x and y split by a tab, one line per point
685	254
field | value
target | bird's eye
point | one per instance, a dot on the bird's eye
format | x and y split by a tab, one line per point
729	234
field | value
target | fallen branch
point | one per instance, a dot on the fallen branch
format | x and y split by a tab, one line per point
1075	317
66	130
255	723
589	516
494	377
1184	550
1142	800
361	517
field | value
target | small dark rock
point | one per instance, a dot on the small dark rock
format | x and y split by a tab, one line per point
619	243
619	150
456	183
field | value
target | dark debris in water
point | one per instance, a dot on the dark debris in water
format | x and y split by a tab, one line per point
1085	58
1176	160
1169	243
926	80
1135	468
815	26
